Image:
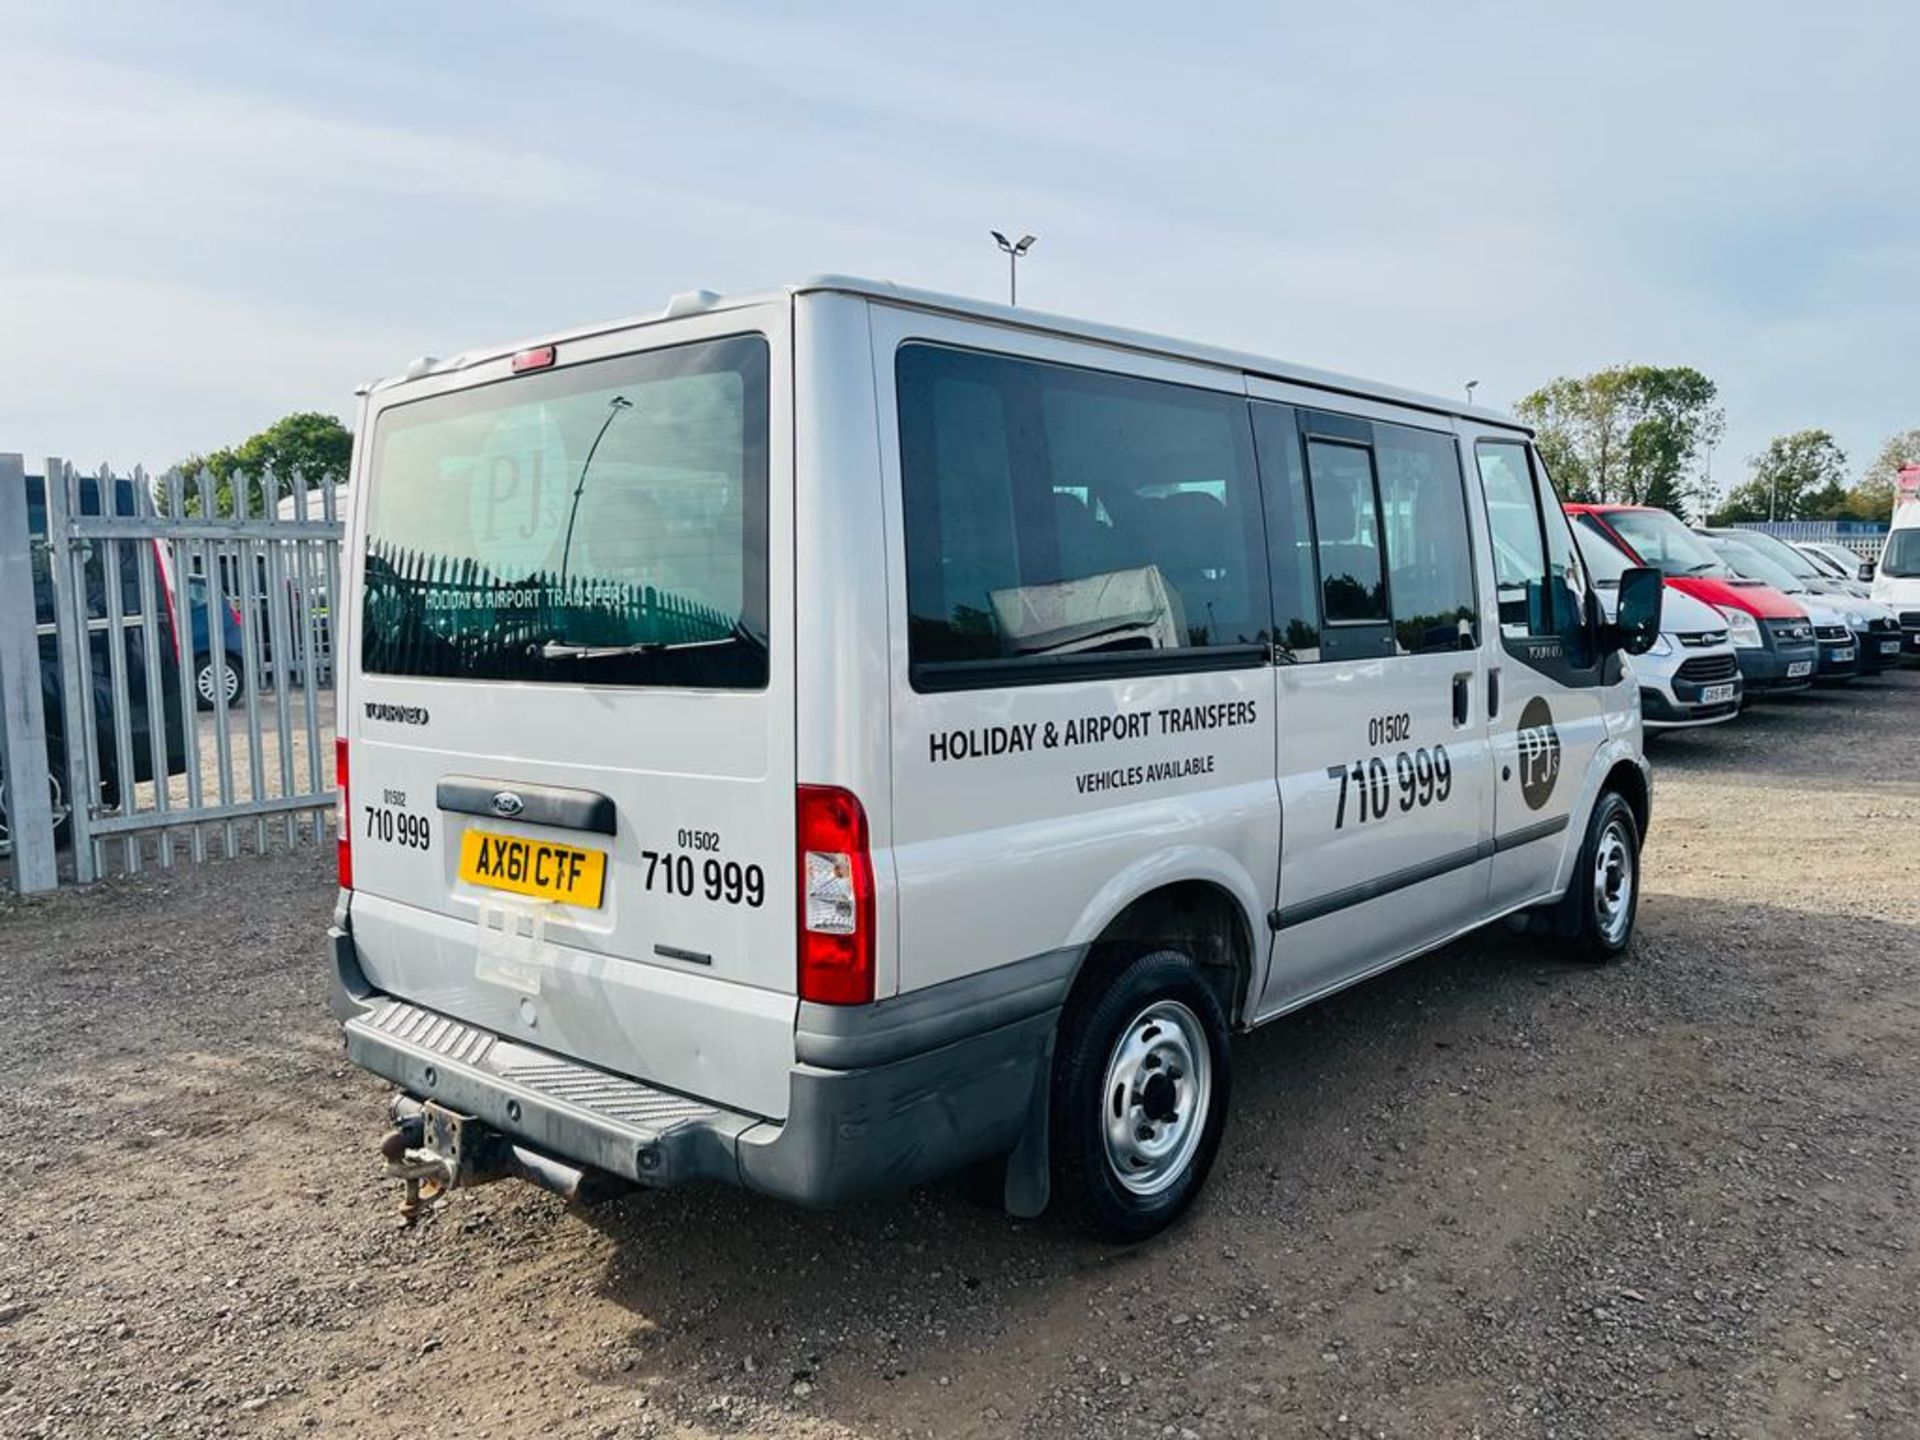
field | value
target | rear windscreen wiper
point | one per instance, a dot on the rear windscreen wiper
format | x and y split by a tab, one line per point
566	650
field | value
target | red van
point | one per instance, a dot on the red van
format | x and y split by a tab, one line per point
1773	635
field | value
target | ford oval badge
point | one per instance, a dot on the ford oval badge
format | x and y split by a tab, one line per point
506	803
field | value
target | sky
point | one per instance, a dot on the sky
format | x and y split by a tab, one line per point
220	213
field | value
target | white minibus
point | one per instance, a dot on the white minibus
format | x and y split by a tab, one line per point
821	740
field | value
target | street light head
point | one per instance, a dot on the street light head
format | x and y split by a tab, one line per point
1005	244
1025	242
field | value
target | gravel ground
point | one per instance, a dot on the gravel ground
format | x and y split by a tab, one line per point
1492	1194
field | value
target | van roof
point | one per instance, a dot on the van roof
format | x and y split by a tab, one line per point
695	302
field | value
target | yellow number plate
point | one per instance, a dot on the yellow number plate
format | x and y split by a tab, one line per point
540	868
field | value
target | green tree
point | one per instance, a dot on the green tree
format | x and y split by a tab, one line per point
1633	433
1801	476
303	450
1872	498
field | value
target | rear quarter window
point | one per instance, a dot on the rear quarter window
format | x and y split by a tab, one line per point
1053	511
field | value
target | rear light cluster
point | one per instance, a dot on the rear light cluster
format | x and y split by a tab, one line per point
343	829
836	898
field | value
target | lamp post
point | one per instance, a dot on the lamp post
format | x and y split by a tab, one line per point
1472	385
1014	250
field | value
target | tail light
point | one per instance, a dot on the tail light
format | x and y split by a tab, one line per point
836	898
342	814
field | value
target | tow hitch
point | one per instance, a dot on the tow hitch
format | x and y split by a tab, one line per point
433	1150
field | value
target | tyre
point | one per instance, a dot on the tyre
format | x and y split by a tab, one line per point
1141	1077
1605	895
207	683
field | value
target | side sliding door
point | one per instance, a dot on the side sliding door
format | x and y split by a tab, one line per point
1381	743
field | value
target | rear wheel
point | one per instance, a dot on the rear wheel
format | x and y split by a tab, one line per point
1606	888
1141	1079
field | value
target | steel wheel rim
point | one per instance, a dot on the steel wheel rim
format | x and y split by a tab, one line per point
1613	881
207	683
1155	1102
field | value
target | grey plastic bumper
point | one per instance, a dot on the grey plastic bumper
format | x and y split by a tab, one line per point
848	1132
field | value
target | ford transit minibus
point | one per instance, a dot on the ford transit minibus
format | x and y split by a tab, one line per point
821	740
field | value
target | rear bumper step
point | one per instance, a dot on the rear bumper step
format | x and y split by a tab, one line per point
852	1131
650	1136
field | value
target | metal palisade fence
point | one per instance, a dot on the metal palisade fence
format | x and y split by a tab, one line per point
178	640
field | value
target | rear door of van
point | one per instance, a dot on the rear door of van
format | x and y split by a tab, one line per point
569	720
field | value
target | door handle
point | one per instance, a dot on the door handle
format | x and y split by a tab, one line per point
1493	694
1462	697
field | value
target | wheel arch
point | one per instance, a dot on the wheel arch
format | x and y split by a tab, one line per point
1629	778
1204	907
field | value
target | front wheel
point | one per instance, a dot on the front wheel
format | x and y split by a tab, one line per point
216	682
1141	1079
1606	888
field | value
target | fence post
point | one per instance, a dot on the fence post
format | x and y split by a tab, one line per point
72	636
23	721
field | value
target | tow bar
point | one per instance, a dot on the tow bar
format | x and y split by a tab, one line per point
433	1150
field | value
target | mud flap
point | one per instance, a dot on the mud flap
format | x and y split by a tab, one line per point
1029	1184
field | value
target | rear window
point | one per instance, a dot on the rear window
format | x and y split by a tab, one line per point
600	524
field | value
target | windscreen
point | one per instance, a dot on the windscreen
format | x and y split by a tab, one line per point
1663	542
1902	556
599	524
1781	554
1749	563
1606	561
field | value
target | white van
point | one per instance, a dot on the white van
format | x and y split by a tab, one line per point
1896	582
824	739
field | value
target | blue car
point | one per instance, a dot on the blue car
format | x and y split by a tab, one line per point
208	681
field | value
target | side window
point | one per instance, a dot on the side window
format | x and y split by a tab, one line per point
1542	583
1568	588
1346	527
1296	576
1055	511
1429	555
1519	549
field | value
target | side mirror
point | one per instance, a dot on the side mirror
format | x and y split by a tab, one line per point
1636	616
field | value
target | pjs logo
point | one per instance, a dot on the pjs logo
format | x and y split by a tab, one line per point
1539	753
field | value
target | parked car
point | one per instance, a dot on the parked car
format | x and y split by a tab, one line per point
1771	634
1897	582
1691	675
211	677
1832	630
146	712
1847	564
1875	629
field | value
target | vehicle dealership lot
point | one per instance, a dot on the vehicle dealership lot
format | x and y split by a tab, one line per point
1492	1193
